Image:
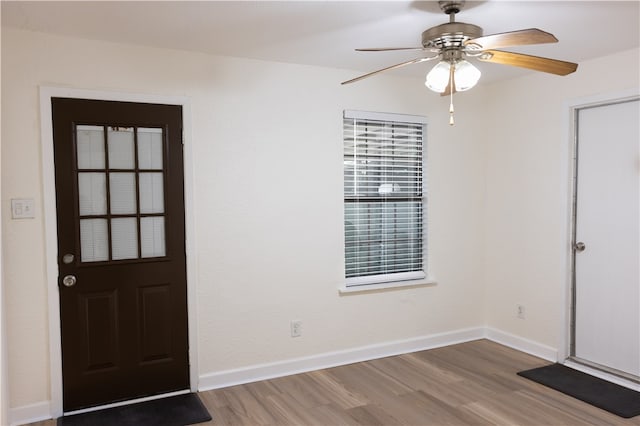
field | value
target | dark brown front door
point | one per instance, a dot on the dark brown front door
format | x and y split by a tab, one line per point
121	250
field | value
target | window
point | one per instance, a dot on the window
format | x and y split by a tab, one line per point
383	198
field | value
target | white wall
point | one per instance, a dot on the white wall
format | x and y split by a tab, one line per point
269	235
266	142
528	187
4	381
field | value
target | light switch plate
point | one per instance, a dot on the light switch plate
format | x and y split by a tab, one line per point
22	208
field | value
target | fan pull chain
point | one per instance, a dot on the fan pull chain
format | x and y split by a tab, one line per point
451	88
451	122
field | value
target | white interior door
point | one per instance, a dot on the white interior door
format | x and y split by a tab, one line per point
607	271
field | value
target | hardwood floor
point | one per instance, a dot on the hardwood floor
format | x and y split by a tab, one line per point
472	383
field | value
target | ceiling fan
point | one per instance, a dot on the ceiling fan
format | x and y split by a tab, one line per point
453	42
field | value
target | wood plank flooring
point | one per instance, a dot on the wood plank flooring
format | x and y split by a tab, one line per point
472	383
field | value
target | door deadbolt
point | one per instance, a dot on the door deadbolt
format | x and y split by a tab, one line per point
579	246
69	280
68	258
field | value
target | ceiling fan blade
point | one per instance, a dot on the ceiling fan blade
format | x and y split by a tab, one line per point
513	38
553	66
382	49
402	64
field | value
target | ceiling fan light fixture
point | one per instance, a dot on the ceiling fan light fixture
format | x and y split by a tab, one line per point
438	77
465	75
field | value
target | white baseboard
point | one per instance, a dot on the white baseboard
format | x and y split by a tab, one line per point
42	410
332	359
521	344
30	413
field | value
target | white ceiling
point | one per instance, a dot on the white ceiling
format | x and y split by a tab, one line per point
325	33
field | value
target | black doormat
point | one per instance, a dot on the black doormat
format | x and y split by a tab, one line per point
177	410
608	396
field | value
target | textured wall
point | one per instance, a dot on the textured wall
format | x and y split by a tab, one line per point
267	173
528	192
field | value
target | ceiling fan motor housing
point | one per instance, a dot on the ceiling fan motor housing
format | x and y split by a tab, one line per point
451	35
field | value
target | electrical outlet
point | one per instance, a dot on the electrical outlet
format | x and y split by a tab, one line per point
296	328
520	311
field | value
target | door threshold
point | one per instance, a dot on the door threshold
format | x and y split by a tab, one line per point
627	382
127	402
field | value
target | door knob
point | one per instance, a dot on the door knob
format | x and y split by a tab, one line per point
69	280
579	246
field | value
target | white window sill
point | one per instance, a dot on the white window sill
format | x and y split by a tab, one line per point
398	285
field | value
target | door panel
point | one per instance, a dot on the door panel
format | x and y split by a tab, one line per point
98	318
155	333
607	272
121	235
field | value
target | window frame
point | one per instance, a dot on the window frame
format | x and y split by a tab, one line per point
393	279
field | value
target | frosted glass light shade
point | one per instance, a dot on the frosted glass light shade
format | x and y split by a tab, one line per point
465	76
438	77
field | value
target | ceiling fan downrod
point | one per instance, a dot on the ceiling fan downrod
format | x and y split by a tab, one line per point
451	8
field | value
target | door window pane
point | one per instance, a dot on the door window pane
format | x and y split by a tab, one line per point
150	148
93	240
151	193
123	193
90	147
92	192
124	238
123	177
152	237
120	143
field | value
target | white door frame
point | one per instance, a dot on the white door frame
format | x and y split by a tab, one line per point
50	225
572	107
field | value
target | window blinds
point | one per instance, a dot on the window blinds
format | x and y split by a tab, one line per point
383	197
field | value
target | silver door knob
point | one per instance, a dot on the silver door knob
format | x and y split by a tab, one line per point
69	280
579	246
